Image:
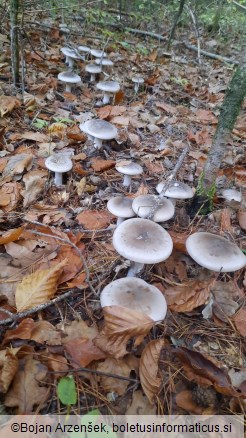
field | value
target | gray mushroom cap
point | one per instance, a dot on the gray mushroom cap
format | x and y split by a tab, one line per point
93	68
143	204
142	241
215	252
232	195
138	79
100	129
104	61
98	53
129	168
84	49
69	77
108	86
134	293
69	52
121	206
176	190
59	163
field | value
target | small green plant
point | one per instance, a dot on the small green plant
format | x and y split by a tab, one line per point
40	124
92	426
66	391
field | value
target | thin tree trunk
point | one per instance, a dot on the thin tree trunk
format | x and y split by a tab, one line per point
230	109
14	34
179	13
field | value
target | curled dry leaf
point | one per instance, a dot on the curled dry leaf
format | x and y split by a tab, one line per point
39	331
120	325
17	163
11	235
242	219
185	401
204	371
99	165
9	367
240	321
148	369
38	288
82	352
188	297
7	104
121	367
94	219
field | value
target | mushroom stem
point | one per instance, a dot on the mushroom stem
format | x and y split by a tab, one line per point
58	179
136	87
93	77
70	62
97	143
106	98
134	269
120	220
127	181
68	88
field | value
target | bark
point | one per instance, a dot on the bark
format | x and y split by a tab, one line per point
179	13
14	37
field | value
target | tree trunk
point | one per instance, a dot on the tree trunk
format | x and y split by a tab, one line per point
230	109
14	37
179	13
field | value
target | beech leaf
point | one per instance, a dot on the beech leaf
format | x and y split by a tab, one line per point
148	369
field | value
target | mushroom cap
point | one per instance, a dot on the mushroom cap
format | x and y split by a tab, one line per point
134	293
84	49
83	126
215	252
176	190
129	168
69	77
142	241
232	195
100	129
69	52
138	79
108	86
59	163
104	61
142	206
98	53
121	206
93	68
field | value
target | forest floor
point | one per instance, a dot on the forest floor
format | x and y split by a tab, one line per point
58	240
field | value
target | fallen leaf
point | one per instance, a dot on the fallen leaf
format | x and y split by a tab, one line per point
186	298
8	368
148	369
140	405
171	109
17	163
10	191
224	306
100	165
185	401
7	104
240	321
42	332
205	116
242	219
11	235
34	185
80	186
30	135
77	329
120	325
38	288
82	352
94	219
120	120
121	367
26	392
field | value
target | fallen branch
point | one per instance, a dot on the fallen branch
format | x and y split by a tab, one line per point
211	55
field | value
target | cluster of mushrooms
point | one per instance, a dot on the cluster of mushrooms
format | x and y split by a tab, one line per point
139	236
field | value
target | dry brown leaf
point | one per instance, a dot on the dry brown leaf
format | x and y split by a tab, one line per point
185	401
26	392
82	352
55	362
77	329
34	185
140	405
74	133
240	321
242	219
121	325
17	163
224	306
120	120
94	219
30	135
186	298
38	288
171	109
8	367
100	165
7	104
121	367
11	235
80	186
148	369
42	332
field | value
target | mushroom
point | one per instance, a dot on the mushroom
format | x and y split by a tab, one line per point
64	28
137	80
121	206
142	241
104	62
128	169
134	293
69	78
215	252
85	50
232	195
59	163
70	56
143	204
83	128
175	190
93	69
108	87
98	53
99	130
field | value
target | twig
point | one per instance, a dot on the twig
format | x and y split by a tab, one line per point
67	242
239	6
193	17
211	55
168	182
100	373
16	316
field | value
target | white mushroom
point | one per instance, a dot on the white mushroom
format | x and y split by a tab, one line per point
83	128
176	190
85	50
109	88
232	195
121	206
215	252
128	169
69	78
59	163
142	205
100	130
134	293
98	53
70	56
105	62
93	69
137	80
142	241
